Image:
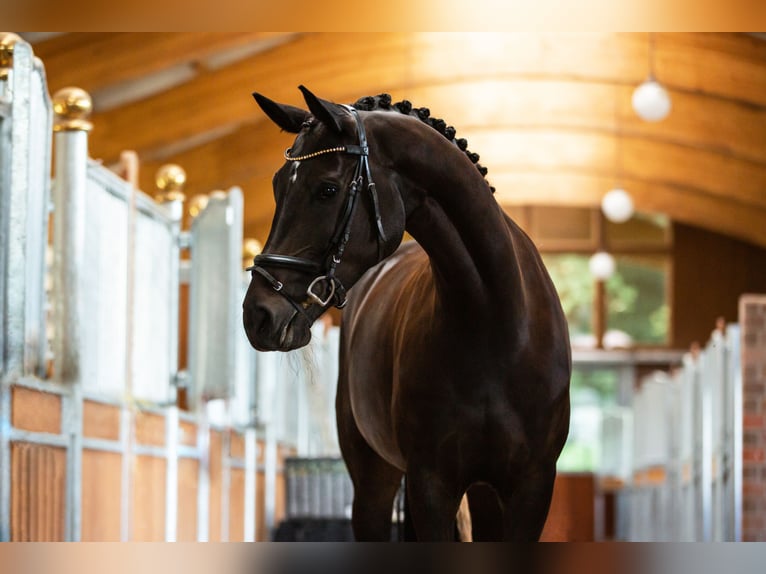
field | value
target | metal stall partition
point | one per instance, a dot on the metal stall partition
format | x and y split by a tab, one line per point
686	495
221	374
215	323
616	468
733	436
719	367
25	156
116	339
693	422
652	409
27	452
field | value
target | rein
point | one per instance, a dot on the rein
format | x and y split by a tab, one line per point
325	273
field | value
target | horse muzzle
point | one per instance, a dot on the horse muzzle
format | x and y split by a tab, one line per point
277	328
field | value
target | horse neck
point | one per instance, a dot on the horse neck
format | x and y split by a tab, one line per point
455	218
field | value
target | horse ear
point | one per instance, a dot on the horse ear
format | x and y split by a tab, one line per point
326	112
289	118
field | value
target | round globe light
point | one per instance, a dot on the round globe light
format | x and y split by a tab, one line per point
617	205
651	101
601	265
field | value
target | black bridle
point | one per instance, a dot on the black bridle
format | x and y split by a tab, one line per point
325	272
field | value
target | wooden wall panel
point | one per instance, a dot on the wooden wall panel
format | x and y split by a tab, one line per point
237	506
280	511
35	411
38	478
188	482
101	489
148	517
187	434
280	507
710	272
260	508
100	420
237	449
572	515
150	429
216	450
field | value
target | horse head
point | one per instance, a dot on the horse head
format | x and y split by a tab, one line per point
338	213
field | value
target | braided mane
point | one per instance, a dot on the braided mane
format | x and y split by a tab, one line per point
383	102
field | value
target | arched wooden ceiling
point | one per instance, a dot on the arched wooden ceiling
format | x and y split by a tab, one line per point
550	114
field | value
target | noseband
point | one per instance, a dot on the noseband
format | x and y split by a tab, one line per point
325	272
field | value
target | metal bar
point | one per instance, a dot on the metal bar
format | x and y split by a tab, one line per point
127	419
24	221
238	463
176	209
203	489
71	408
126	464
188	417
171	475
102	445
50	387
182	451
225	485
706	417
735	372
251	448
41	438
637	357
5	463
96	397
149	450
270	478
69	249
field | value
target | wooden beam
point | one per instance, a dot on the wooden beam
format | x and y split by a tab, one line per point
255	151
93	61
725	65
222	97
684	205
344	66
622	157
696	120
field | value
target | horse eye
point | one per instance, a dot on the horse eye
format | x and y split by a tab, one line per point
327	190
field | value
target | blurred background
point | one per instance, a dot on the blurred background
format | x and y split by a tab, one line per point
636	162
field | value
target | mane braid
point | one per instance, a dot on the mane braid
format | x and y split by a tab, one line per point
383	102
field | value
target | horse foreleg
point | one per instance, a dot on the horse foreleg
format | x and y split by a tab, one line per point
375	482
375	487
526	504
433	505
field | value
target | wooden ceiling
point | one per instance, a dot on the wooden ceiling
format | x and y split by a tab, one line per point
550	114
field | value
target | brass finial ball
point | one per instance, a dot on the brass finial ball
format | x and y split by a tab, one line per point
7	41
170	177
72	107
197	204
250	248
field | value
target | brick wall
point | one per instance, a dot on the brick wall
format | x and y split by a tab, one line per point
752	318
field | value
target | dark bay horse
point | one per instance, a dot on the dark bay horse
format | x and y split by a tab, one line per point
455	359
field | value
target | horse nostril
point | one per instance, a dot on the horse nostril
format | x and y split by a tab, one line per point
257	321
262	321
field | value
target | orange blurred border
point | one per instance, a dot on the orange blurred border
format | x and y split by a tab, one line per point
391	15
